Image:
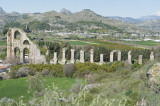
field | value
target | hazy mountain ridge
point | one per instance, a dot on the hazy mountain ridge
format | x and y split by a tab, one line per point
136	20
84	15
125	19
65	11
2	11
52	17
150	22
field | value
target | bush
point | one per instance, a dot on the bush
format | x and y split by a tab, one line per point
77	87
54	70
36	85
83	69
69	70
12	74
92	78
22	72
45	72
136	65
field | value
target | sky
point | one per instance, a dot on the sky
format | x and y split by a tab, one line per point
123	8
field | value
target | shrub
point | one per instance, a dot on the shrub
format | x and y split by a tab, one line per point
83	69
36	85
45	72
22	72
54	70
92	78
135	66
12	74
77	87
69	70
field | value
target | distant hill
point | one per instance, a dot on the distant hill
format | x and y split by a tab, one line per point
149	17
153	25
58	19
2	11
65	11
125	19
68	21
135	20
150	22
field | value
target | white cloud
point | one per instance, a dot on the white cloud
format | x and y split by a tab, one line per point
157	13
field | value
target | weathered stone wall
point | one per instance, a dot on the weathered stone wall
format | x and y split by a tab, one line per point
82	57
35	56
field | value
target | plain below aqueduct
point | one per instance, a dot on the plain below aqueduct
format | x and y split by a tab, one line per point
18	40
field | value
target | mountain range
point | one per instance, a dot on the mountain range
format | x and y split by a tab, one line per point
64	17
136	20
150	22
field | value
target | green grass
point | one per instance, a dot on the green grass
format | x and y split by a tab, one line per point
77	43
3	43
15	88
145	43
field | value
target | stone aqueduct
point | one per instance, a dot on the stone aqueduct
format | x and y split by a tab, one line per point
82	59
35	57
22	43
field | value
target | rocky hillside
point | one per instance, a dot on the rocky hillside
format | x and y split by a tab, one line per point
150	22
153	25
54	17
10	17
65	18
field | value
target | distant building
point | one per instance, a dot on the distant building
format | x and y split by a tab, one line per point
156	40
147	39
133	34
3	69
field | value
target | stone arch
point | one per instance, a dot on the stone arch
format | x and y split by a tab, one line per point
17	34
129	57
16	52
9	37
152	56
34	55
26	42
26	55
112	55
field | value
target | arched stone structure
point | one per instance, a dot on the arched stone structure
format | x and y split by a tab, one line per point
140	59
23	42
82	56
72	56
112	55
129	57
64	56
91	56
152	56
26	55
101	59
26	42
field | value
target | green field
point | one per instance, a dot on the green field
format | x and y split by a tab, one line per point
15	88
145	43
77	43
3	43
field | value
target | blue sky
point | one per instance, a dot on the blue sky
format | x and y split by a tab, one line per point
124	8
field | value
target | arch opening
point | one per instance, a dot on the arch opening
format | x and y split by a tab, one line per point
26	42
26	55
115	56
17	35
17	54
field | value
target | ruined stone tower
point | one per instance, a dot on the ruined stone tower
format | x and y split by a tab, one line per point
18	40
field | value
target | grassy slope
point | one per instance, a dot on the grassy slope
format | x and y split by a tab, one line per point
145	43
3	43
77	43
14	88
